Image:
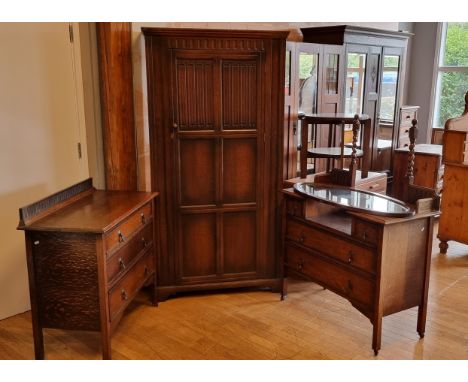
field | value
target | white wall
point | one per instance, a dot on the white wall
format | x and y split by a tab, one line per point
41	122
420	84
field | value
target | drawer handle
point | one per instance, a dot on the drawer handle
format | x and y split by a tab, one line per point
301	238
350	257
121	237
406	131
373	186
364	235
121	264
143	240
124	294
350	285
146	271
405	145
143	218
408	116
300	265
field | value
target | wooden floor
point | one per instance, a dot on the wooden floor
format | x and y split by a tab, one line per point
311	323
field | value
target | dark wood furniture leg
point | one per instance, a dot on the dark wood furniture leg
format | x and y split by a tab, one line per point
443	246
422	309
367	149
36	326
377	335
284	290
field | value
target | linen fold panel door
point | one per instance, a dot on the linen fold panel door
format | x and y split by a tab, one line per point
218	175
222	100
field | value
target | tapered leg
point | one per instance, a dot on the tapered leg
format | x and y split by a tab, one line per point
154	293
106	346
422	311
38	342
284	289
377	335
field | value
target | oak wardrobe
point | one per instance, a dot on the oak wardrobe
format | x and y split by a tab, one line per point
216	102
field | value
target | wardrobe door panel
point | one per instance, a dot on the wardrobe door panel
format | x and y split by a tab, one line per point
197	164
239	94
239	170
239	244
195	95
198	244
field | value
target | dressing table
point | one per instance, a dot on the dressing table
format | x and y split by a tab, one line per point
371	249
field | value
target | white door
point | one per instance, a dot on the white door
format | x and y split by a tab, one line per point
41	125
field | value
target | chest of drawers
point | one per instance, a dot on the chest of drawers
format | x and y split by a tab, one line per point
88	252
407	114
379	264
428	169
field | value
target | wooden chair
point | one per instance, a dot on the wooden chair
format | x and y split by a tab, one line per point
423	198
341	176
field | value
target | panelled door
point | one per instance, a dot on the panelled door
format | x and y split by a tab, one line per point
218	139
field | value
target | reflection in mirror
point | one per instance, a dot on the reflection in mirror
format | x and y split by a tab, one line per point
388	95
287	78
308	63
332	64
354	92
308	83
355	75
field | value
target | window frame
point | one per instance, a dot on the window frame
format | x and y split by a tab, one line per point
439	69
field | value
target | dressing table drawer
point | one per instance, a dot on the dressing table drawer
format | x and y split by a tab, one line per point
347	252
336	278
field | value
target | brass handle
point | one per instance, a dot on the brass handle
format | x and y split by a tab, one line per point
143	240
300	265
350	257
350	285
143	218
123	294
121	264
121	237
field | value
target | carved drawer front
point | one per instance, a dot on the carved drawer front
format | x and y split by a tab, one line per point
364	231
294	208
330	245
124	231
126	289
338	279
123	259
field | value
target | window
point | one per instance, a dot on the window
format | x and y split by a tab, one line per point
452	73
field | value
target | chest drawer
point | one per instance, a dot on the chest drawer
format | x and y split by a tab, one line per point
122	233
124	291
294	208
119	262
347	252
337	279
364	231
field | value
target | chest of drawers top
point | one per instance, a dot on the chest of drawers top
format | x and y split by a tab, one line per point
92	211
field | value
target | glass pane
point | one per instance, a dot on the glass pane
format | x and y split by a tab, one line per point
287	79
355	74
332	73
456	45
452	88
308	63
388	91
